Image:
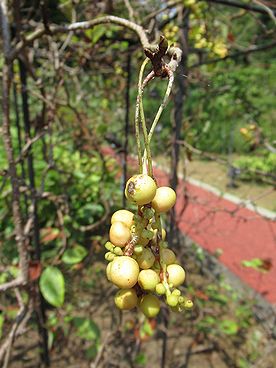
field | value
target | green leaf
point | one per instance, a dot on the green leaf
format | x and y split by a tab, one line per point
147	329
229	327
255	263
96	33
52	286
243	363
86	328
74	255
140	359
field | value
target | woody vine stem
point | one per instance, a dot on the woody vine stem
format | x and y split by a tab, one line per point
145	162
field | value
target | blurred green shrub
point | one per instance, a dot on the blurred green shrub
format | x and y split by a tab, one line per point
251	165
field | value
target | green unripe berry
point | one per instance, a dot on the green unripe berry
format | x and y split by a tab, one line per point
167	256
181	299
176	292
148	279
188	304
140	189
150	305
172	300
119	234
123	216
164	199
126	299
124	272
176	274
145	259
160	289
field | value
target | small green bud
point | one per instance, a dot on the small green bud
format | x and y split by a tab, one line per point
181	299
172	300
163	244
118	251
176	292
188	304
109	256
148	234
148	213
138	249
160	289
137	219
109	246
154	225
156	265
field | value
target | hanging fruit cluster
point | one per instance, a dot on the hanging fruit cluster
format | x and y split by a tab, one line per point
140	263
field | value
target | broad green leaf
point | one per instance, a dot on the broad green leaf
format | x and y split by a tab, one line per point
74	255
86	328
52	286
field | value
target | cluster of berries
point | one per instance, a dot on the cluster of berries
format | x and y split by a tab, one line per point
140	262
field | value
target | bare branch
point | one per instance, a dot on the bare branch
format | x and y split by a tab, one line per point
22	241
173	52
18	328
234	55
98	223
11	284
240	5
267	9
130	10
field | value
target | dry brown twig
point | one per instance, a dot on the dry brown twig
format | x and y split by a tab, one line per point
174	53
